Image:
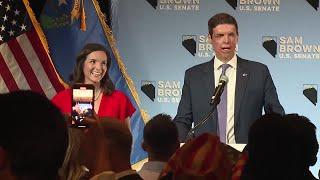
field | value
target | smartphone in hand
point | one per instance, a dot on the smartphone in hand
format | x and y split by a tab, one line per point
82	104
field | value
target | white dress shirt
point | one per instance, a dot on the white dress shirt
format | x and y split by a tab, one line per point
231	73
151	170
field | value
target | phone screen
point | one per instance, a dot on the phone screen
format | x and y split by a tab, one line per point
82	103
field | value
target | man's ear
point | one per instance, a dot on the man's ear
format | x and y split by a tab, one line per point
3	158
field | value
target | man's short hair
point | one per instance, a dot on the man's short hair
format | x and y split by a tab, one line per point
221	18
281	146
33	133
161	134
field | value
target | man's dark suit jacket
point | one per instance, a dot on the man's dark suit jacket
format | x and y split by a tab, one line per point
254	91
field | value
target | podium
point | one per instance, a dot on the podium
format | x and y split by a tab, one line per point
238	147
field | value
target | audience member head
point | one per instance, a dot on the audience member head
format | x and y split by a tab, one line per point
280	147
106	146
118	137
72	167
270	149
201	158
160	136
78	73
33	137
304	135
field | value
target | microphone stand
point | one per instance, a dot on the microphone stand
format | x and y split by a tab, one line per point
214	102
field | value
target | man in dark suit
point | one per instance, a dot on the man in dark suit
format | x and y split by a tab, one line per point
250	88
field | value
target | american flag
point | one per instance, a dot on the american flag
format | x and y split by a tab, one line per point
24	63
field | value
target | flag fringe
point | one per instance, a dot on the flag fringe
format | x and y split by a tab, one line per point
83	25
109	35
75	12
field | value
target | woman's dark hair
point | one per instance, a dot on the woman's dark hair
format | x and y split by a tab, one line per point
78	77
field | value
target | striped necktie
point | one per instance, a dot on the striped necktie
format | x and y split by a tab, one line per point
222	108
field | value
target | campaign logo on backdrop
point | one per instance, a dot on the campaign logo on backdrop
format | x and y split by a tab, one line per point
148	88
175	5
310	91
255	5
190	43
162	91
314	4
232	3
270	44
153	3
291	47
198	45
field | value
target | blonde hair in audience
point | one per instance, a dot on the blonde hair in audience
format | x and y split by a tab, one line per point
71	168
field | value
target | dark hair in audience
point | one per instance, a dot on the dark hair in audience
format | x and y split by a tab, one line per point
161	134
34	135
221	18
269	149
281	147
118	136
78	77
304	132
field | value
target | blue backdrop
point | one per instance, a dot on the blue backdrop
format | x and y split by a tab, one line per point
159	40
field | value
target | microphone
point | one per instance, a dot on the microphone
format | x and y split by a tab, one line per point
215	99
214	102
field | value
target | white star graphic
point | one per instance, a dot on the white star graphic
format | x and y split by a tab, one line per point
62	2
23	27
1	38
16	12
13	22
2	28
5	17
0	3
11	33
8	7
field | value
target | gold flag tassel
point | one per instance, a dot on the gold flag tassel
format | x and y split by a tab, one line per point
75	12
79	12
83	25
